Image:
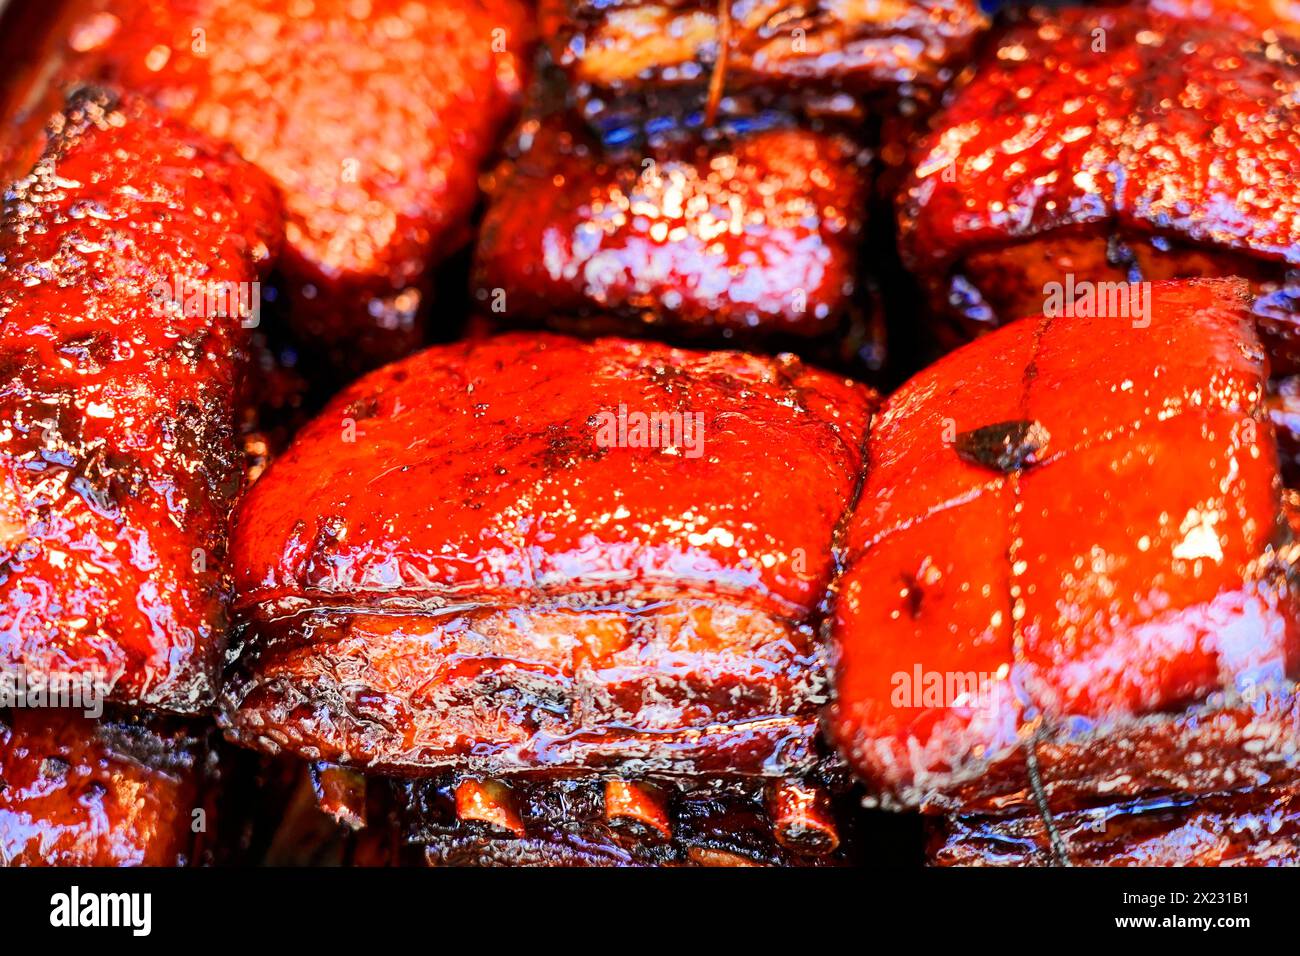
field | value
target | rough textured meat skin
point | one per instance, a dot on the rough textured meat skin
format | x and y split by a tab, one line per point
80	792
758	236
372	119
1123	589
1106	164
118	462
480	581
850	44
1258	827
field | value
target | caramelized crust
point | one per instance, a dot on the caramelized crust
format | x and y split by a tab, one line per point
491	576
118	463
855	44
757	236
1080	519
372	119
80	792
1104	143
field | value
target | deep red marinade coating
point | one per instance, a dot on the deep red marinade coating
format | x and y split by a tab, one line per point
863	46
1095	130
756	236
371	118
118	462
479	579
1121	589
1258	827
80	792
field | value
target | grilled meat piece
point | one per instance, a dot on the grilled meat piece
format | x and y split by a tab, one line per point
128	264
491	556
116	792
831	45
1109	145
755	237
1068	570
530	563
1251	828
372	119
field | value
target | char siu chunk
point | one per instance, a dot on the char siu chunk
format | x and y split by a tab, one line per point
828	45
116	792
128	267
1109	145
1068	573
372	120
537	554
753	238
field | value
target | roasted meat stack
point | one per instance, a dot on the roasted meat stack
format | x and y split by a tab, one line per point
545	596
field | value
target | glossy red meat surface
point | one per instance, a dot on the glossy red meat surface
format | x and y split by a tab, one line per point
467	560
856	45
372	119
1259	827
81	792
122	257
1282	16
1064	571
757	236
1111	144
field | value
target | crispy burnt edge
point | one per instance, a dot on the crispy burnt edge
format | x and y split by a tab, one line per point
705	85
156	750
443	818
1255	827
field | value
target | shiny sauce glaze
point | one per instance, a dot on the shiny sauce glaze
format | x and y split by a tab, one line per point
471	559
372	119
1112	144
755	236
122	336
1081	518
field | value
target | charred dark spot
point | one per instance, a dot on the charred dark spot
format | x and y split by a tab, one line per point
914	593
54	768
363	408
1004	447
92	349
566	447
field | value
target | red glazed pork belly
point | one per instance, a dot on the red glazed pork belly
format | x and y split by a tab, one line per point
478	558
372	119
831	44
755	237
80	792
1108	145
128	259
1251	828
1075	524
